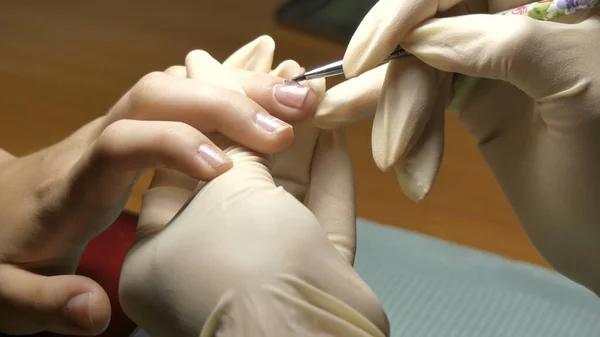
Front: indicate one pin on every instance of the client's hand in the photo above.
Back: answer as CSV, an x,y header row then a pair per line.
x,y
54,201
245,256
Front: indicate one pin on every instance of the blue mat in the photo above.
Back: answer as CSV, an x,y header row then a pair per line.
x,y
432,288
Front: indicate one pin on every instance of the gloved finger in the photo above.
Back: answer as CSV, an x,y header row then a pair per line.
x,y
509,48
331,191
256,56
169,191
319,86
66,304
383,28
205,106
350,100
418,172
405,105
388,22
201,66
291,168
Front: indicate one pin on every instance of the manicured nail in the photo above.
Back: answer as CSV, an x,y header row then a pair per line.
x,y
270,124
212,156
77,311
291,94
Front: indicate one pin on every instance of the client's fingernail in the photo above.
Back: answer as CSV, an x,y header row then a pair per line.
x,y
270,124
291,94
77,311
212,156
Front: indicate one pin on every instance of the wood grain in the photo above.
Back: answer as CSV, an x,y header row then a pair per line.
x,y
65,62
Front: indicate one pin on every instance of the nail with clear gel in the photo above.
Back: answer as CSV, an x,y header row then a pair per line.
x,y
292,95
77,311
212,156
270,124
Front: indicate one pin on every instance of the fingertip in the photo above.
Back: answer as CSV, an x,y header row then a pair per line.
x,y
293,101
100,312
276,140
212,162
356,61
255,56
290,102
196,55
84,304
287,68
319,85
266,40
286,138
383,160
310,104
412,188
90,311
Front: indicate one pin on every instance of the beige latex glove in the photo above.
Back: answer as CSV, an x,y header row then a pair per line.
x,y
407,96
536,120
52,202
245,257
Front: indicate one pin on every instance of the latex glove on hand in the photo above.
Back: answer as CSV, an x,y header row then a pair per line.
x,y
245,256
407,96
55,200
536,118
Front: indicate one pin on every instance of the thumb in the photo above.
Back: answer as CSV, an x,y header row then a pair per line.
x,y
331,192
517,49
66,304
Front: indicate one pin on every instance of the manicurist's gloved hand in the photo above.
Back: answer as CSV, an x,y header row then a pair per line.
x,y
54,201
244,256
536,118
407,95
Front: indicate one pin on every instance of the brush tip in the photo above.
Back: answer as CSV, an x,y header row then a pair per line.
x,y
296,79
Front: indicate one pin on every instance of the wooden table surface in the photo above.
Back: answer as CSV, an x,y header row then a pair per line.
x,y
62,63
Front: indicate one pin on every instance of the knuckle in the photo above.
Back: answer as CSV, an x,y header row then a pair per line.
x,y
516,37
177,135
173,133
509,47
108,143
144,90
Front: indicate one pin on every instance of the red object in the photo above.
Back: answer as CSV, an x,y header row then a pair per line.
x,y
102,261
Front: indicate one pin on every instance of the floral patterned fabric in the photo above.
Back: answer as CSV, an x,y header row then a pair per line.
x,y
550,9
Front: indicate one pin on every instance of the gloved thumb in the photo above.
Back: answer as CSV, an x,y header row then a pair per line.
x,y
65,304
517,49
